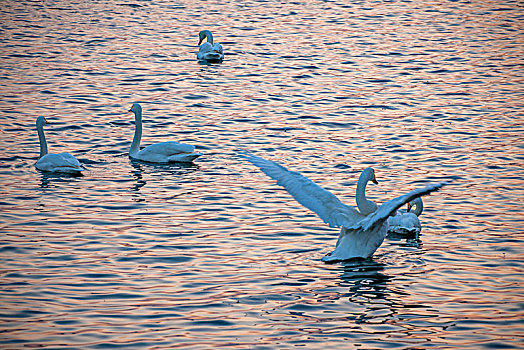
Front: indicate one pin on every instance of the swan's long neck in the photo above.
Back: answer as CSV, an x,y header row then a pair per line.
x,y
364,205
43,142
209,37
135,145
417,207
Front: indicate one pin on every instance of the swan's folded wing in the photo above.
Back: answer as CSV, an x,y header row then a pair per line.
x,y
168,148
70,159
325,204
205,47
64,162
380,215
218,48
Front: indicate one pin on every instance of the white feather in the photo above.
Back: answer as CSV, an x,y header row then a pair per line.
x,y
325,204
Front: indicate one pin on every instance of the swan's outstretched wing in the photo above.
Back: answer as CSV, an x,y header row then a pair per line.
x,y
325,204
380,215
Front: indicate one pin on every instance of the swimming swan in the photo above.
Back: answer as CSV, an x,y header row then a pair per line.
x,y
208,51
55,162
407,222
163,152
361,232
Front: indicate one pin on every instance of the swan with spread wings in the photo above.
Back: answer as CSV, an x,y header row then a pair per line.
x,y
362,231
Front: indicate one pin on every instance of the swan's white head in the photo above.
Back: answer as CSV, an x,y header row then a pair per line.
x,y
136,108
203,34
41,121
369,175
417,204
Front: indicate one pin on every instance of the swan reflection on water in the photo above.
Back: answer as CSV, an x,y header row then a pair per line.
x,y
368,287
168,169
364,276
48,178
411,239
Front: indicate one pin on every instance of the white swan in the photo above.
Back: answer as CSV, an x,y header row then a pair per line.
x,y
163,152
407,222
361,233
55,162
209,51
364,205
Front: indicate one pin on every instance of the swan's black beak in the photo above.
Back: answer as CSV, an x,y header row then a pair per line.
x,y
200,40
409,207
374,180
130,109
45,120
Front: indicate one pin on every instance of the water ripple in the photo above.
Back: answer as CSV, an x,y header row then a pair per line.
x,y
138,255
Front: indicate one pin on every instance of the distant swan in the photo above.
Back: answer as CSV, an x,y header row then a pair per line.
x,y
361,232
407,222
163,152
55,162
208,51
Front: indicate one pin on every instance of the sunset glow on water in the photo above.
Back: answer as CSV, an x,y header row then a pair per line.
x,y
215,254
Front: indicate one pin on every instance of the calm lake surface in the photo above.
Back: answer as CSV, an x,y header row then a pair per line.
x,y
215,254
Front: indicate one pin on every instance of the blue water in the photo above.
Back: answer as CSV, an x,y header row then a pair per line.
x,y
215,254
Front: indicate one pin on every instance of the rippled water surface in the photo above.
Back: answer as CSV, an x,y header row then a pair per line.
x,y
215,254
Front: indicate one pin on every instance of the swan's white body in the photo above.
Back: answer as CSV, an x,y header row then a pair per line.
x,y
163,152
407,222
361,232
209,51
54,162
